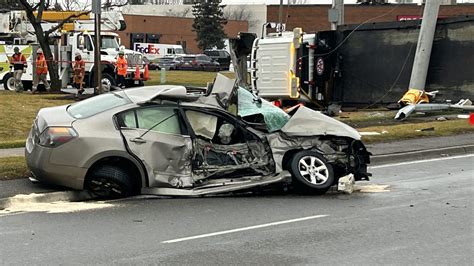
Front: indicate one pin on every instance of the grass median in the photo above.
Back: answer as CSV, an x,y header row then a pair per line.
x,y
13,168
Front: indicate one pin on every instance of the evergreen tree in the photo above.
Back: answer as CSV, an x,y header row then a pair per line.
x,y
209,24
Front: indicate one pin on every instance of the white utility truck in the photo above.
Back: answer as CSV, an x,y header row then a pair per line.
x,y
77,36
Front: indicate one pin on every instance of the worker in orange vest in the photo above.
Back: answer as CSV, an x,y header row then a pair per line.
x,y
41,71
79,68
121,68
18,63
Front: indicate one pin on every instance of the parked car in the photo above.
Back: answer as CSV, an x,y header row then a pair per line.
x,y
170,62
220,56
151,65
200,62
166,140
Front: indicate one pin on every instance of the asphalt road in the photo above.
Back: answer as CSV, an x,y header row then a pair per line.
x,y
425,216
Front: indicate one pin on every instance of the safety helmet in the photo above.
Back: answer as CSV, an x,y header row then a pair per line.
x,y
76,54
39,51
16,49
121,52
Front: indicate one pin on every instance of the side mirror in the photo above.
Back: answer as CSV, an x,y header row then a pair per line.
x,y
81,42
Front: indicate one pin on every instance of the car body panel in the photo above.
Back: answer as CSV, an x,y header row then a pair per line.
x,y
222,187
307,122
167,157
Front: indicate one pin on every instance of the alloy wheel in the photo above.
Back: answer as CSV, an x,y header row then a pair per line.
x,y
313,170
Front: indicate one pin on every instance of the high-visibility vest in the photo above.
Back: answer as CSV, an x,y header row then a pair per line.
x,y
18,61
41,65
79,67
121,66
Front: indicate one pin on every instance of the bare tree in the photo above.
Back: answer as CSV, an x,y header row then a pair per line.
x,y
241,12
34,12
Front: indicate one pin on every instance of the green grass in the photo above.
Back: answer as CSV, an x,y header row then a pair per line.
x,y
17,113
191,78
411,130
13,168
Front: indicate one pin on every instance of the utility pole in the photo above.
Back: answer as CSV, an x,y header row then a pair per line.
x,y
425,43
336,14
97,9
416,89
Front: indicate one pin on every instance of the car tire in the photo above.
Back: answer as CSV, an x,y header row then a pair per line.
x,y
109,181
8,82
311,172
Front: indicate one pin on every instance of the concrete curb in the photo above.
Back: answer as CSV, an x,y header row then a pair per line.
x,y
421,154
47,197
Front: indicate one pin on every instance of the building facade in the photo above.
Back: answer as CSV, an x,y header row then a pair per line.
x,y
169,30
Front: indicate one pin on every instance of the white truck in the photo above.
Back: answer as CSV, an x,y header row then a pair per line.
x,y
154,51
283,66
16,31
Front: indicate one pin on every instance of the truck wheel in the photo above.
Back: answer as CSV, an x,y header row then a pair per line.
x,y
107,82
8,82
312,172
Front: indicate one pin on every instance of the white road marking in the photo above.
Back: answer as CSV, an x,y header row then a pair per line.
x,y
423,161
244,229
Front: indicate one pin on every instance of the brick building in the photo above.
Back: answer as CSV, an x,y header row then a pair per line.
x,y
314,18
169,30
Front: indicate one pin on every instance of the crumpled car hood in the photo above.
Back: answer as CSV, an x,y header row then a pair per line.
x,y
307,122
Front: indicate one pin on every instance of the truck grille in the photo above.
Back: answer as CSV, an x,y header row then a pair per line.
x,y
134,60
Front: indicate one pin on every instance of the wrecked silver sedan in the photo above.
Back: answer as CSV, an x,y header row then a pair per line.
x,y
166,140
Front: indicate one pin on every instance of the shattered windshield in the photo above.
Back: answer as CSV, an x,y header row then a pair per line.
x,y
274,117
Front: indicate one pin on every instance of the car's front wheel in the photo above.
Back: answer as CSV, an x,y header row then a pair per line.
x,y
109,181
312,172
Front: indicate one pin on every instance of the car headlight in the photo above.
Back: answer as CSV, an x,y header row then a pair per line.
x,y
56,136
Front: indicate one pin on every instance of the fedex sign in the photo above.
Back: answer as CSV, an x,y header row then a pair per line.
x,y
147,48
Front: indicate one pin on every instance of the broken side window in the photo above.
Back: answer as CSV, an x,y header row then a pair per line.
x,y
159,119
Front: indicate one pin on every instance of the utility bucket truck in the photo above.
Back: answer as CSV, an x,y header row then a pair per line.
x,y
75,37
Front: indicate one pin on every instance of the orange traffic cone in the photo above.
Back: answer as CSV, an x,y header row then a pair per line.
x,y
146,75
137,73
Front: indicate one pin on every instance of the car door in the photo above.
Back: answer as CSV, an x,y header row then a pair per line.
x,y
157,136
223,146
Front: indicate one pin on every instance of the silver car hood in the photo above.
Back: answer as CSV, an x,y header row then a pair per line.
x,y
307,122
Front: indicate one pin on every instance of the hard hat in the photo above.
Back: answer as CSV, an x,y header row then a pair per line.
x,y
77,54
16,49
39,51
121,52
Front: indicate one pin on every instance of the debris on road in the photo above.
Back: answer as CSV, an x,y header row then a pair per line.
x,y
371,188
346,184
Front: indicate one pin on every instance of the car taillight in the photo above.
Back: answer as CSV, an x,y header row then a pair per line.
x,y
56,136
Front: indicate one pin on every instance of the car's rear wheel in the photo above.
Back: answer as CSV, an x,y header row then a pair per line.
x,y
109,181
312,172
